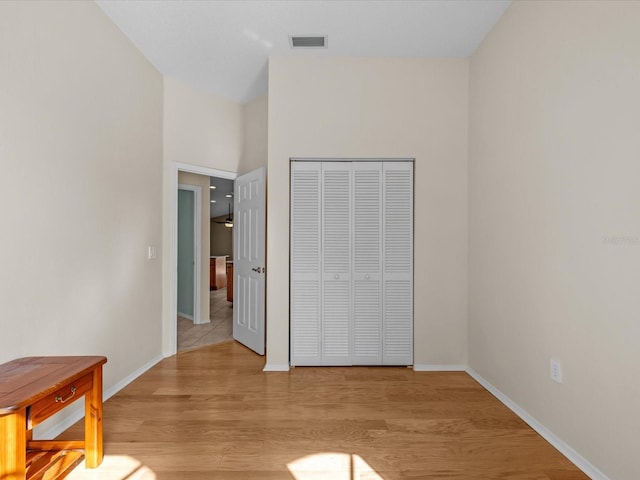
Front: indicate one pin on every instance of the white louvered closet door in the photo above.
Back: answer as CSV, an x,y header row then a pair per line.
x,y
397,329
351,263
367,263
305,265
336,263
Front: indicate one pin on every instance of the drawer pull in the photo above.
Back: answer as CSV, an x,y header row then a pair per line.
x,y
59,399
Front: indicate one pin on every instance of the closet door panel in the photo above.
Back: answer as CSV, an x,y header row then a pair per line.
x,y
305,268
367,263
336,263
398,323
336,306
397,347
367,323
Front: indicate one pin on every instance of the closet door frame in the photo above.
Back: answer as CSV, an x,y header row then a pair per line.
x,y
352,358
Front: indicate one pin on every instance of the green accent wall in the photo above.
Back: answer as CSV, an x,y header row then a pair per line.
x,y
186,253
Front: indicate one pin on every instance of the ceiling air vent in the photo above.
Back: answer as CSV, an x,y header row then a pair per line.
x,y
308,41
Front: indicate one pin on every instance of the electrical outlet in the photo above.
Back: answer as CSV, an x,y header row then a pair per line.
x,y
151,252
556,370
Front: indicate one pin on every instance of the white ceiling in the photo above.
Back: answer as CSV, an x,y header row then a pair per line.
x,y
223,46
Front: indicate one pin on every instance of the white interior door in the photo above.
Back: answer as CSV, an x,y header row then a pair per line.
x,y
249,260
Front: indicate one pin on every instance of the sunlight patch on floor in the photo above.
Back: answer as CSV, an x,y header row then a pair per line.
x,y
114,467
336,466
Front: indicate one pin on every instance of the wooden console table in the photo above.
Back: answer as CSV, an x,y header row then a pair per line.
x,y
31,390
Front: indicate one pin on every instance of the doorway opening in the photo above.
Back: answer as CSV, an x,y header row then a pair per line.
x,y
213,243
170,317
248,318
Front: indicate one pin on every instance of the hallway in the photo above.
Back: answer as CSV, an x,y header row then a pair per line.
x,y
192,336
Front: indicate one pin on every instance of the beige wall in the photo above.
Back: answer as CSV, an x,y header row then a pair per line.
x,y
221,238
554,221
254,153
200,129
201,181
378,107
80,189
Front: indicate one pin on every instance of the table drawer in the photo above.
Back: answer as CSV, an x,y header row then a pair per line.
x,y
56,401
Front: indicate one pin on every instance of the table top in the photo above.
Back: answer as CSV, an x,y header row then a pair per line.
x,y
26,380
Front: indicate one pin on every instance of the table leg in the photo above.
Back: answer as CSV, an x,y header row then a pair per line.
x,y
13,448
93,422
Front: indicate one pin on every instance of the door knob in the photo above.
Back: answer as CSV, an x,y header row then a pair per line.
x,y
258,269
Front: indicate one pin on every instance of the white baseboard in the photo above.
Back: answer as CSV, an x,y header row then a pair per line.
x,y
76,412
184,315
274,367
421,367
110,392
577,459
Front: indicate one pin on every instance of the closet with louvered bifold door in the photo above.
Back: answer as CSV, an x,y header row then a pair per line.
x,y
351,292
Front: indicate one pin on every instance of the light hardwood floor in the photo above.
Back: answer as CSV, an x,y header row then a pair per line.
x,y
212,413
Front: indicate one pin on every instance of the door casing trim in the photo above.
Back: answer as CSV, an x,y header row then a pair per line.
x,y
169,320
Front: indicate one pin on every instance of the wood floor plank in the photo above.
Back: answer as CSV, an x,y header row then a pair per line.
x,y
212,413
